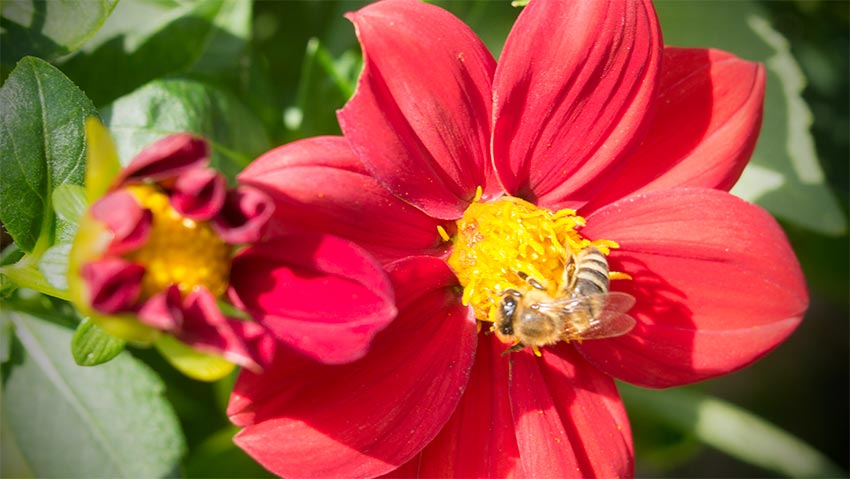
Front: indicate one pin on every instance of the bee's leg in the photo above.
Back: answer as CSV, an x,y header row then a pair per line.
x,y
516,347
531,281
535,284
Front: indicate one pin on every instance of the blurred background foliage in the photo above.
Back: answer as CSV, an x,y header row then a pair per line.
x,y
252,75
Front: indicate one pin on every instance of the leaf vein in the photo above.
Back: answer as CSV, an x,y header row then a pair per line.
x,y
37,351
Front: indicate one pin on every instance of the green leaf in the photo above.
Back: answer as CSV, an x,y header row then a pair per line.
x,y
10,255
804,198
49,29
5,337
13,464
324,87
261,93
154,39
175,105
229,33
42,146
785,175
92,345
732,430
53,265
69,202
71,421
294,23
218,456
18,270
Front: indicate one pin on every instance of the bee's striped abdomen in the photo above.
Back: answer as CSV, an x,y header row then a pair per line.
x,y
590,277
591,273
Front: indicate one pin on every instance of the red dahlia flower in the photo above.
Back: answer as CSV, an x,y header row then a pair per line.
x,y
457,173
169,240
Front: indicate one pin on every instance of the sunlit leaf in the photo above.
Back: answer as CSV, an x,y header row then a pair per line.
x,y
54,265
25,273
176,105
142,41
69,202
72,421
41,147
805,200
231,29
49,29
785,175
91,345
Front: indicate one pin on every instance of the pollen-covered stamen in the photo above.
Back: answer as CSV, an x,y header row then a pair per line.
x,y
502,243
179,250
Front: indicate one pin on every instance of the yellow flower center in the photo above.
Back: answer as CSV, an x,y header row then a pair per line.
x,y
501,243
179,250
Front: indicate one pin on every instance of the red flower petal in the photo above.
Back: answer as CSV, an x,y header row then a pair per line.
x,y
198,322
572,93
318,185
479,440
244,215
163,310
199,194
704,131
569,419
420,116
165,159
716,282
128,222
259,343
206,329
114,284
317,293
367,417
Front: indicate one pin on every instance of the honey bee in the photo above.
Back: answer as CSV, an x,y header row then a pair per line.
x,y
583,308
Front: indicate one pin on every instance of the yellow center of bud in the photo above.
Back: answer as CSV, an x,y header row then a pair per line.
x,y
179,250
500,241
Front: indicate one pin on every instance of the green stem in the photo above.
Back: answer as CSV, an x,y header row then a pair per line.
x,y
25,274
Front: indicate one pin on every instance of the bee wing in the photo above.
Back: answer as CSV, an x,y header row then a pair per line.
x,y
612,301
617,301
610,321
608,324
